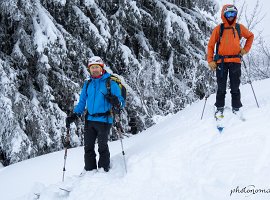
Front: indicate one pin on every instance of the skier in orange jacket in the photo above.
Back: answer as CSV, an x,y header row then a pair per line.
x,y
227,59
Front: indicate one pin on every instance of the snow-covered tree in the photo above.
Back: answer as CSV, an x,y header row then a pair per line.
x,y
156,46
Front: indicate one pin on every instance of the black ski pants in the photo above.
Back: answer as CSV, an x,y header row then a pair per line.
x,y
234,71
96,130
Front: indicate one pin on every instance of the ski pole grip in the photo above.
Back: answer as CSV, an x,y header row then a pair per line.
x,y
67,140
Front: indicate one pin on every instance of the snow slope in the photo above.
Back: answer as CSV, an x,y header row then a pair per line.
x,y
180,158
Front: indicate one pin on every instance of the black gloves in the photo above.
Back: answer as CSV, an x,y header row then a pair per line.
x,y
113,100
71,119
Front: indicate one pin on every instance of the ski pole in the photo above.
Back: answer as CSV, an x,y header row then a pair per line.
x,y
123,152
120,130
249,81
65,155
206,97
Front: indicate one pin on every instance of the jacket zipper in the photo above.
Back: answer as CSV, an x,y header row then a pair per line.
x,y
94,96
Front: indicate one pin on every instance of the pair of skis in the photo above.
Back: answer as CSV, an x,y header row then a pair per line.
x,y
221,119
67,191
220,122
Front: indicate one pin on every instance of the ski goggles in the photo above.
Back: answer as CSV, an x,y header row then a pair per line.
x,y
230,14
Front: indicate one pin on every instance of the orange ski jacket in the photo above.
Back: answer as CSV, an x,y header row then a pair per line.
x,y
230,41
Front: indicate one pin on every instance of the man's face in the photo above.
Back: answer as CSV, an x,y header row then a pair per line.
x,y
95,70
230,15
230,19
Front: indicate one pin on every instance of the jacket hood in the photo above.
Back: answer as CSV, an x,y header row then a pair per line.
x,y
224,20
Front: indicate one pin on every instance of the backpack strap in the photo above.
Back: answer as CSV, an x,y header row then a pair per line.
x,y
221,29
108,85
237,27
87,84
106,114
222,57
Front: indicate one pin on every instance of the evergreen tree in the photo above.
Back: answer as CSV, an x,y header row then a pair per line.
x,y
157,46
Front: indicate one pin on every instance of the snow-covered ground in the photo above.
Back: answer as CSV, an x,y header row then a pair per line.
x,y
180,158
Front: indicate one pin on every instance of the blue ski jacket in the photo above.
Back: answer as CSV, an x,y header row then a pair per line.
x,y
94,99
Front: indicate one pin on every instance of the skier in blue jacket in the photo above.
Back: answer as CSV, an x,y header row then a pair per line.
x,y
99,103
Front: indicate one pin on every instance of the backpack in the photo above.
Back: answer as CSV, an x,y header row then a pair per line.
x,y
123,89
221,30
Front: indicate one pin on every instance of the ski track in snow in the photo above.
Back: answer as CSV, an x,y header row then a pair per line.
x,y
182,157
